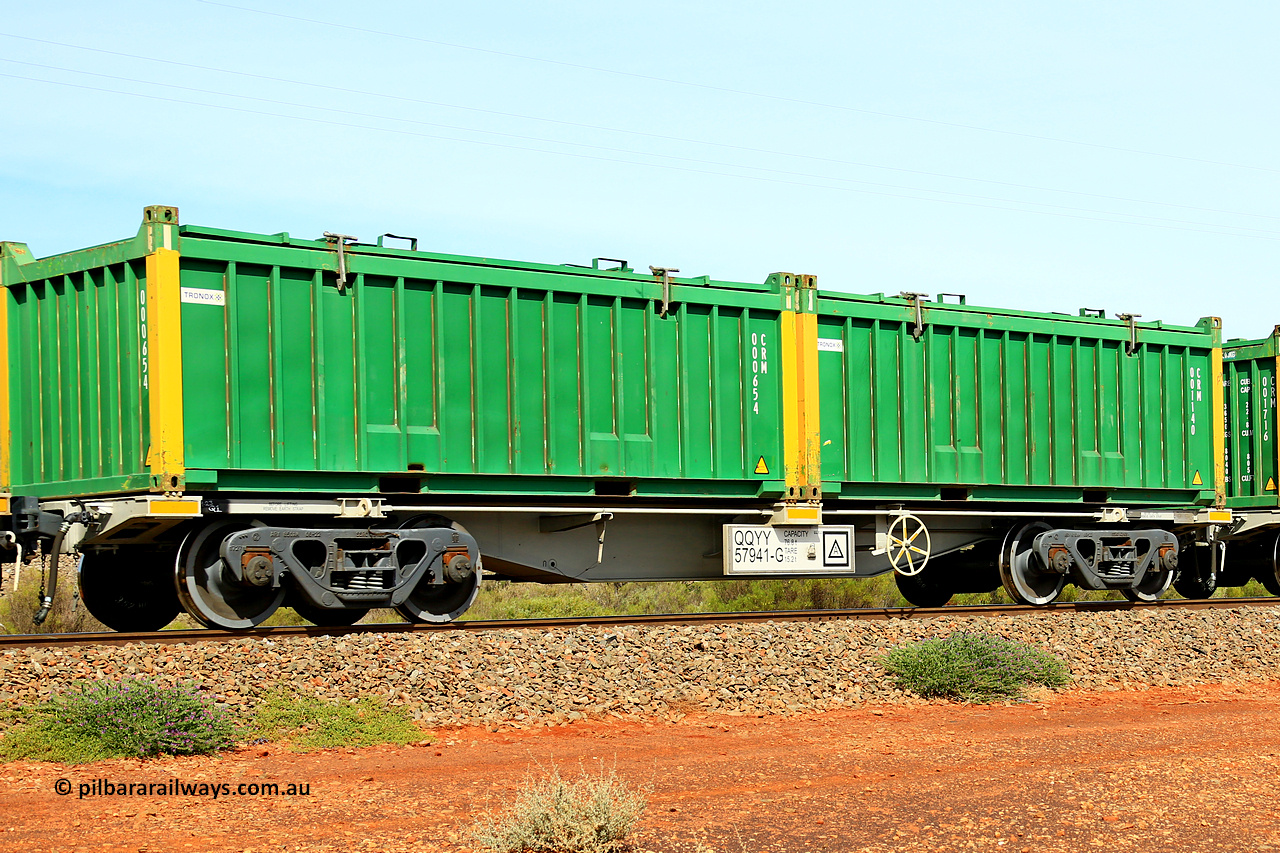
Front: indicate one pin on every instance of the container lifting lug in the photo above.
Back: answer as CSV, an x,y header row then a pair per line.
x,y
340,242
1131,348
916,299
665,274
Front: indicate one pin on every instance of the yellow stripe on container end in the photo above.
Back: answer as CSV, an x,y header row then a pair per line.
x,y
164,369
1217,396
791,440
807,364
800,433
6,438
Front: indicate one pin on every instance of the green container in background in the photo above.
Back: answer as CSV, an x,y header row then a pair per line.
x,y
1249,383
925,400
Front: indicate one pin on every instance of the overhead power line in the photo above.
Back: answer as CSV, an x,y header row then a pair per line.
x,y
610,149
1130,219
745,92
607,129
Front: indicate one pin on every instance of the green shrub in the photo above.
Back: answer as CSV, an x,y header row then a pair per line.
x,y
118,720
973,668
311,723
590,814
284,616
1252,589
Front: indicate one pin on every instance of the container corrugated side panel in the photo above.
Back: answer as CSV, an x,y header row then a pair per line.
x,y
1249,386
467,370
1011,406
78,406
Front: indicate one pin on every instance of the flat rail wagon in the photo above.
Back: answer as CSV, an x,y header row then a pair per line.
x,y
225,422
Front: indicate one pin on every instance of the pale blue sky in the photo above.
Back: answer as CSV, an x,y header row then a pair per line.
x,y
1044,156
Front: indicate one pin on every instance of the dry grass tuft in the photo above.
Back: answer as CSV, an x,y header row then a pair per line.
x,y
589,814
18,607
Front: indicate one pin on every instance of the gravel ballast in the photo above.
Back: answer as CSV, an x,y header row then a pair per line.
x,y
536,677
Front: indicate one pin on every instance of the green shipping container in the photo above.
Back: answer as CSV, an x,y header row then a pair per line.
x,y
1249,383
283,380
926,401
189,358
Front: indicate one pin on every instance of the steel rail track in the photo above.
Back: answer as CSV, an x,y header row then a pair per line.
x,y
205,635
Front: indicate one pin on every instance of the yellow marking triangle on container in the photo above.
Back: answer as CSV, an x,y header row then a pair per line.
x,y
1271,485
762,468
1196,481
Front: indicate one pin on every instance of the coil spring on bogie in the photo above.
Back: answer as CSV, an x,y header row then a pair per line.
x,y
360,581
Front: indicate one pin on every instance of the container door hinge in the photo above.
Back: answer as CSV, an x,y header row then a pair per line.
x,y
340,242
1131,348
664,274
917,300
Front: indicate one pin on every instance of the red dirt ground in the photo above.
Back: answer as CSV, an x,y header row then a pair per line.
x,y
1163,769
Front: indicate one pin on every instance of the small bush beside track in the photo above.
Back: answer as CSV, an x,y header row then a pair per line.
x,y
589,814
138,719
973,667
127,719
310,723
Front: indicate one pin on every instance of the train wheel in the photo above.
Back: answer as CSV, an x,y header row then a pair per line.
x,y
1196,578
447,601
208,590
129,591
1024,578
325,617
440,602
1269,574
923,590
1154,585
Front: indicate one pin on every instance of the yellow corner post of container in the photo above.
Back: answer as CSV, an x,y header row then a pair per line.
x,y
1218,396
810,438
6,437
800,423
790,404
1275,448
164,369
